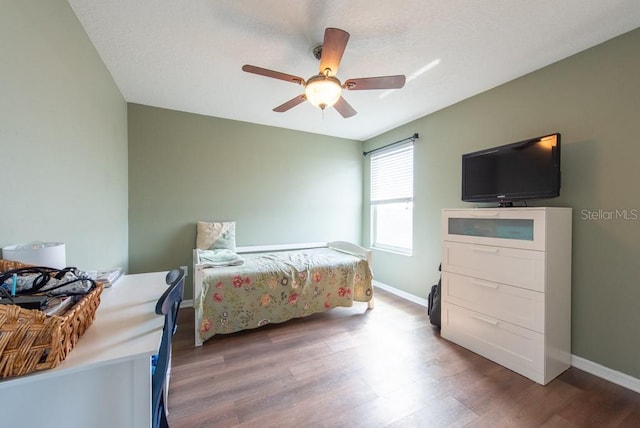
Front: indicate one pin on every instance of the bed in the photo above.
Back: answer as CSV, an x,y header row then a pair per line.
x,y
277,283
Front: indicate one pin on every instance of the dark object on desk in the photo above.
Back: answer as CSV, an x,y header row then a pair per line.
x,y
168,305
27,302
28,280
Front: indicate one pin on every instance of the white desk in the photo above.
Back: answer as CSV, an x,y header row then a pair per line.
x,y
105,381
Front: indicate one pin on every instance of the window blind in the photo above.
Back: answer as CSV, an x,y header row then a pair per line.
x,y
392,175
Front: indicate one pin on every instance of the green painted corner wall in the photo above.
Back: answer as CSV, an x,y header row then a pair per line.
x,y
280,186
593,100
63,135
73,173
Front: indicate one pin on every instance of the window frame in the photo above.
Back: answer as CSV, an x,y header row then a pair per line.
x,y
398,195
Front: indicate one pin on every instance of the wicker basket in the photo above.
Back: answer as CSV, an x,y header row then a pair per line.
x,y
32,341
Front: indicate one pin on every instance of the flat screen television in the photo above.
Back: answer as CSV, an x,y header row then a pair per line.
x,y
516,172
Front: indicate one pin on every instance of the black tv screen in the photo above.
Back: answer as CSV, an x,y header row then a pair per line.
x,y
519,171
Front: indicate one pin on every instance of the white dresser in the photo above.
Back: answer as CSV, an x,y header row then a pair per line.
x,y
506,286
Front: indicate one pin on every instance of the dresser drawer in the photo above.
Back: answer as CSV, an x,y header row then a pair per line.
x,y
514,347
503,227
515,305
520,268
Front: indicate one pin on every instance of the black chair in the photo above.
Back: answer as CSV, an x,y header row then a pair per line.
x,y
168,305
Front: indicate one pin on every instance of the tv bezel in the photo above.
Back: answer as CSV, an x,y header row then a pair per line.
x,y
506,199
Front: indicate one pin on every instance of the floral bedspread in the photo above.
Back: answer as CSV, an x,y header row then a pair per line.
x,y
276,287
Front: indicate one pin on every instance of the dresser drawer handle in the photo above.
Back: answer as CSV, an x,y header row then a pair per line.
x,y
485,284
486,250
485,214
485,319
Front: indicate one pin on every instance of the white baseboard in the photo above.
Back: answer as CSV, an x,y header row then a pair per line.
x,y
407,296
606,373
595,369
186,304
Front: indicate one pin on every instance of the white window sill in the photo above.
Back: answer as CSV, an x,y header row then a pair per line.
x,y
393,251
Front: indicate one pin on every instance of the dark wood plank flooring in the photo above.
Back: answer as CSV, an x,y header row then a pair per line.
x,y
388,367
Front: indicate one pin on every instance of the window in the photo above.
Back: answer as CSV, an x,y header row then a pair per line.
x,y
392,199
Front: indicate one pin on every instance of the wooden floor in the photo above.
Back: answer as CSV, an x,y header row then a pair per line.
x,y
387,367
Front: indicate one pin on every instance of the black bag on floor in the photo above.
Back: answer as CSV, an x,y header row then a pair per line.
x,y
433,307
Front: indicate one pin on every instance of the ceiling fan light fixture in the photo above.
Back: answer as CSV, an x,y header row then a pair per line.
x,y
323,91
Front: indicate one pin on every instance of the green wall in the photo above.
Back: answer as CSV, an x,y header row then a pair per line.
x,y
67,174
63,137
593,99
280,186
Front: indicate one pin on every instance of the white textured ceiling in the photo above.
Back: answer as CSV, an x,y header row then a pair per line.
x,y
187,54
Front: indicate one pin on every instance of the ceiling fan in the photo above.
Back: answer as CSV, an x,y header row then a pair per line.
x,y
324,89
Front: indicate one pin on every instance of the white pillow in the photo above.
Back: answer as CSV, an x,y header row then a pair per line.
x,y
216,235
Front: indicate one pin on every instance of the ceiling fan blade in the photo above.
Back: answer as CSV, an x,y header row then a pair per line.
x,y
274,74
335,42
344,108
290,104
385,82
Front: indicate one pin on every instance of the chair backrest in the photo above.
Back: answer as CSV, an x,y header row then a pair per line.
x,y
168,305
